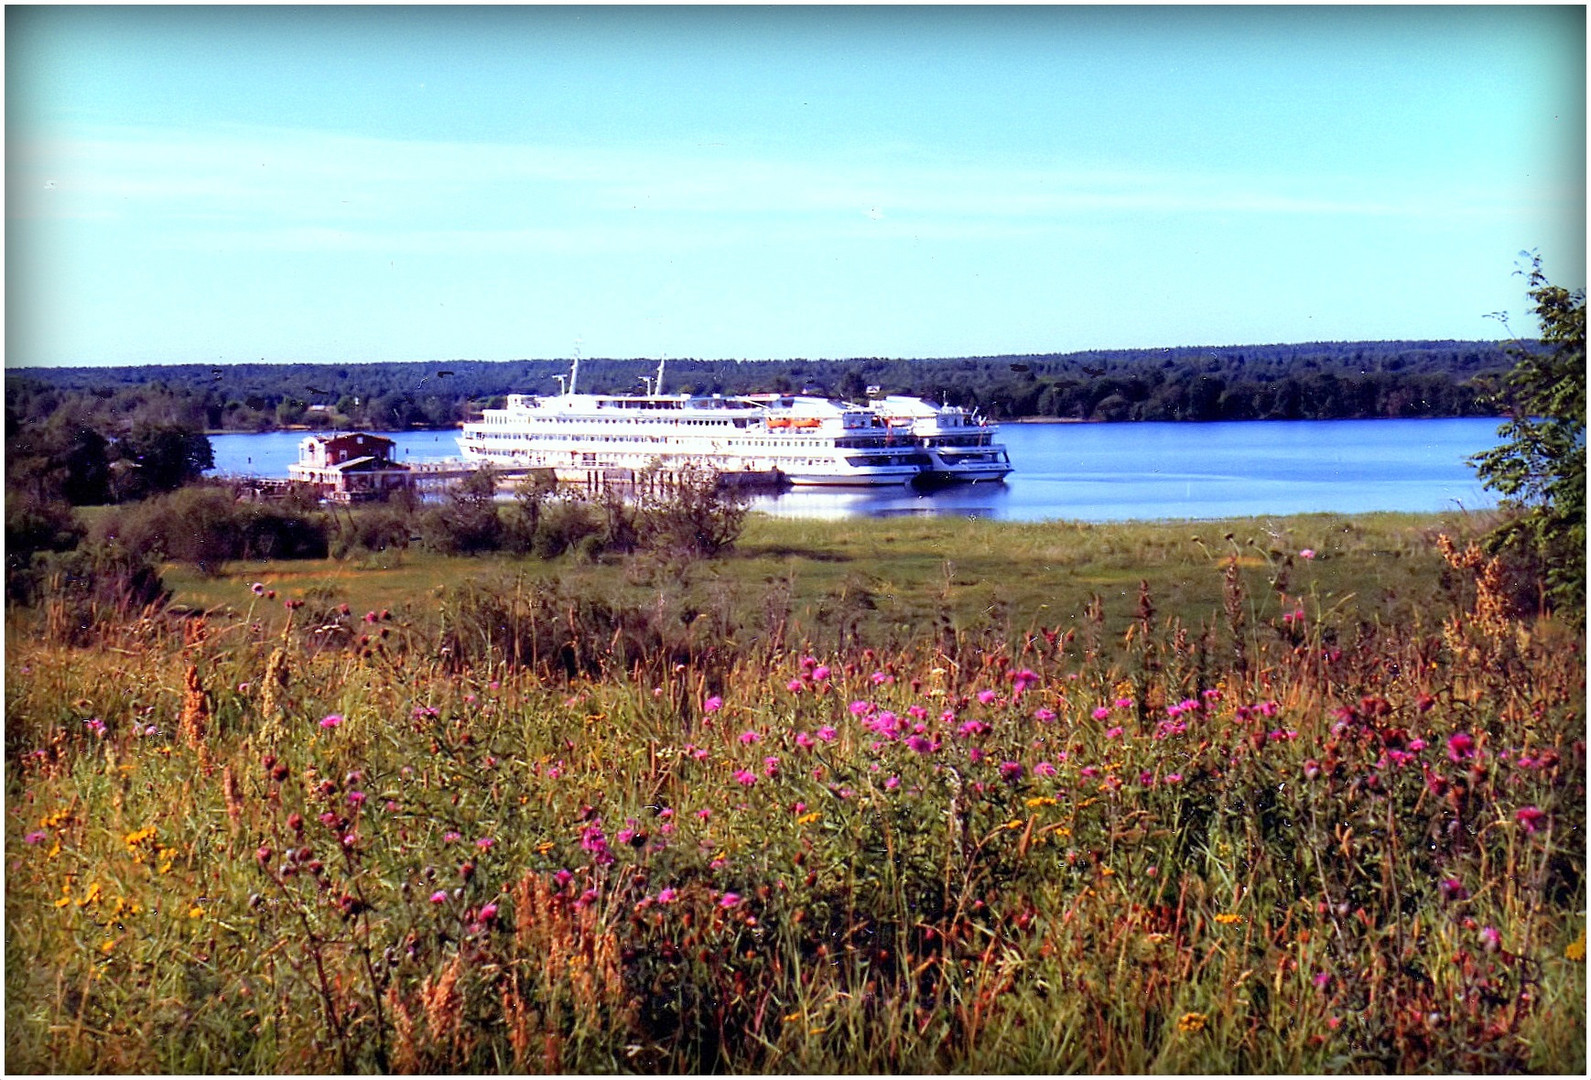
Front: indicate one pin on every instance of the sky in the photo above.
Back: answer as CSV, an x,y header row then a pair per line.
x,y
235,184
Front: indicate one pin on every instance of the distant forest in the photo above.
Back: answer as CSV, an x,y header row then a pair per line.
x,y
1330,380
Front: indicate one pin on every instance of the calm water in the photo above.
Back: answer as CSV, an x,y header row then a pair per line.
x,y
1118,472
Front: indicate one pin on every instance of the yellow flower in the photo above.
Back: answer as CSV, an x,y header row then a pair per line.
x,y
1226,919
1192,1022
1576,948
1041,800
196,912
807,819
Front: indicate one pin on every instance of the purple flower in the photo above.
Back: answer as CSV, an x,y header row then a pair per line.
x,y
861,708
1491,939
794,686
804,741
827,734
1453,889
562,877
770,766
730,899
745,777
713,704
488,912
1101,713
882,678
439,897
666,895
331,721
35,837
485,843
1322,980
749,737
892,783
356,797
1021,680
1043,715
1460,747
450,837
820,673
1044,768
1113,733
1010,771
920,744
1307,553
1124,703
986,696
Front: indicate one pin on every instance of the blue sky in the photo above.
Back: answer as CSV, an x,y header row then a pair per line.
x,y
364,184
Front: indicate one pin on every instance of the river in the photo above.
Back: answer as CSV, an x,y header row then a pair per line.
x,y
1116,472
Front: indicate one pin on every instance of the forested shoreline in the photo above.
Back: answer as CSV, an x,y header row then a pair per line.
x,y
1317,381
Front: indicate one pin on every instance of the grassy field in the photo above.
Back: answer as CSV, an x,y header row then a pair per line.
x,y
902,796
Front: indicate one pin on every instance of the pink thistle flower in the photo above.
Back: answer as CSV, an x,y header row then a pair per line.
x,y
258,588
749,737
882,678
1491,939
1044,768
770,766
986,696
804,741
827,734
667,895
356,797
451,837
331,721
485,843
1113,733
35,837
704,813
1011,770
892,783
794,686
745,777
861,708
328,819
920,744
1125,703
974,755
1460,747
1528,816
488,912
1322,980
439,897
1101,713
562,877
1022,680
820,673
713,704
1453,889
730,899
1307,553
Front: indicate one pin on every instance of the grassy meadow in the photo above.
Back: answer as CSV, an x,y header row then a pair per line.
x,y
1273,795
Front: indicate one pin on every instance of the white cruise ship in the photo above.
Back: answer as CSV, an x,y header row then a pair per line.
x,y
960,447
809,440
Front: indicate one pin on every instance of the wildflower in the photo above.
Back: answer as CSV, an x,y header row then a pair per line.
x,y
745,777
562,877
1307,553
1575,950
350,840
827,733
770,766
439,897
730,899
666,895
1113,733
1174,778
451,837
713,704
804,741
794,686
749,737
96,725
882,678
892,783
920,744
488,912
1101,713
1124,703
986,696
1192,1022
861,708
1044,768
356,797
1021,680
330,721
974,755
1043,715
35,837
1491,940
258,588
1311,769
973,728
1010,771
820,673
1322,980
704,813
1226,918
1528,816
1460,747
1146,778
1453,889
485,843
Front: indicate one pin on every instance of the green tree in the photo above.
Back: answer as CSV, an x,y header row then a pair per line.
x,y
1539,468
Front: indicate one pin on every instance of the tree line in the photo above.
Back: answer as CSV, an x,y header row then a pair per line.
x,y
1327,380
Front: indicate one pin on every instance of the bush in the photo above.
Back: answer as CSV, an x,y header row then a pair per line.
x,y
208,526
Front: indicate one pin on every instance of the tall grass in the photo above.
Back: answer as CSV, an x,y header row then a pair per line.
x,y
545,830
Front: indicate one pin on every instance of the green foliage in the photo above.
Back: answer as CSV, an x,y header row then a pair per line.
x,y
34,525
467,522
208,526
156,458
1539,468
